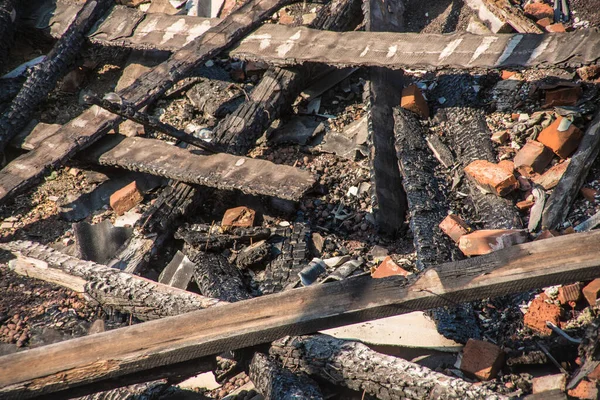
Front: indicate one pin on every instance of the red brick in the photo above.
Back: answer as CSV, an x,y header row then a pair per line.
x,y
525,204
595,374
500,137
566,96
584,390
539,312
125,199
508,74
556,28
239,216
388,268
488,240
591,291
482,360
539,11
454,226
562,142
550,178
544,22
589,72
589,194
491,177
549,382
285,18
569,293
413,100
533,157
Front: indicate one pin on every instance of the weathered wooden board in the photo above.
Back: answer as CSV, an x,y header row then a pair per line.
x,y
501,13
174,340
221,170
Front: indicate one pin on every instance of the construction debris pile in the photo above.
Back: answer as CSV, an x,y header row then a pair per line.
x,y
262,199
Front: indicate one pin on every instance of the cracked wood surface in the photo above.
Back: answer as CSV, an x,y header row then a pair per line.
x,y
93,123
221,170
133,350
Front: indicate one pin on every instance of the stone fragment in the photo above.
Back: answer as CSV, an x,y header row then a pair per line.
x,y
500,137
565,96
591,291
539,312
556,28
550,178
549,382
562,137
126,198
491,177
569,293
584,390
454,226
239,216
539,11
533,157
481,359
308,19
413,100
589,194
388,268
489,240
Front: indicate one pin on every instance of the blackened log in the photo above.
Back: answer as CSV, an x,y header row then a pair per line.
x,y
217,278
282,272
563,195
140,297
254,255
275,382
7,29
354,365
42,77
208,237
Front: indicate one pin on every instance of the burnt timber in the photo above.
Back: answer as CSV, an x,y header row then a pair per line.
x,y
114,354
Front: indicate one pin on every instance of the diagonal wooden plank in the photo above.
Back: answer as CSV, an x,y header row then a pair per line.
x,y
93,123
179,339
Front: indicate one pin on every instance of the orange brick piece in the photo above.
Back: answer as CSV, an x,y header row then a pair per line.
x,y
589,194
239,216
388,268
584,390
569,293
508,74
591,291
556,28
491,178
481,359
550,178
454,226
126,198
489,240
561,136
413,100
539,312
533,157
566,96
544,22
539,11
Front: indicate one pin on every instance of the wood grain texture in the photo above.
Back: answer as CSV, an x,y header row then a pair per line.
x,y
174,340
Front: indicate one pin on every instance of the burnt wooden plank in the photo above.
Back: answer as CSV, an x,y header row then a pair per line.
x,y
92,124
146,347
563,195
382,92
221,170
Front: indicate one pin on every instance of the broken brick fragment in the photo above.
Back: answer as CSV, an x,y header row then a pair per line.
x,y
556,28
589,194
550,178
591,291
562,137
584,390
569,293
285,18
539,312
525,204
454,227
413,100
486,241
589,72
388,268
491,177
565,96
544,22
126,198
547,383
508,74
481,359
539,11
533,157
239,216
500,137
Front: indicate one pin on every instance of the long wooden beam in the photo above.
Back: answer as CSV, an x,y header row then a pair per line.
x,y
173,340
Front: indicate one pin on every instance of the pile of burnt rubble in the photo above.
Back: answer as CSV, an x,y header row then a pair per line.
x,y
219,196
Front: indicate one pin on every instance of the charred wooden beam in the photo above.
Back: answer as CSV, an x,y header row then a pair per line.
x,y
382,92
209,238
275,382
84,361
42,77
217,278
563,195
143,298
356,366
222,171
93,123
